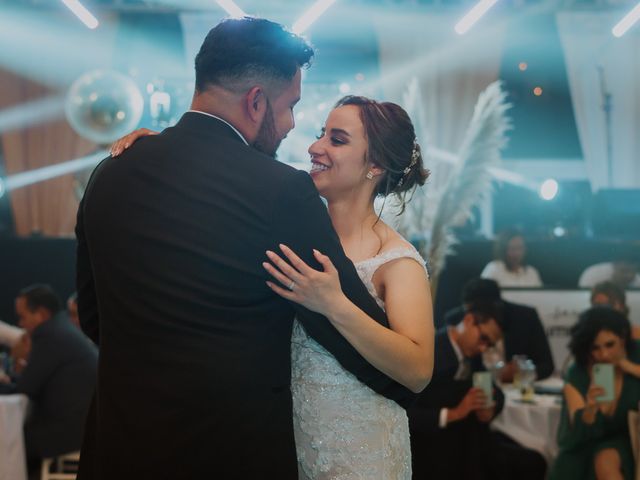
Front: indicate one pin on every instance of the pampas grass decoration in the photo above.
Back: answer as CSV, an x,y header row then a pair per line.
x,y
462,180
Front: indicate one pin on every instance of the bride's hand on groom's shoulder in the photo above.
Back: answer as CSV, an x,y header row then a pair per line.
x,y
298,282
125,142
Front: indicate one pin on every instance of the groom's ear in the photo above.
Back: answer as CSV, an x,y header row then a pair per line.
x,y
256,104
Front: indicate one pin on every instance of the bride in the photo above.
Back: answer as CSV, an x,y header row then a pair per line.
x,y
343,429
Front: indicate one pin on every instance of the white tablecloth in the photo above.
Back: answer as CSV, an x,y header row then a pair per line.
x,y
533,425
13,465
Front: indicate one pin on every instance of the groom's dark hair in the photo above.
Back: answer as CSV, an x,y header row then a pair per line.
x,y
238,53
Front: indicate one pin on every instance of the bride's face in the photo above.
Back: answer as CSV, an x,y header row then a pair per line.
x,y
338,157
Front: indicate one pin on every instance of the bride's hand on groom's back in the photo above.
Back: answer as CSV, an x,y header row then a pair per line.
x,y
319,291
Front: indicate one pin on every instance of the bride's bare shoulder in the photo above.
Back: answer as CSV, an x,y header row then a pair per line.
x,y
392,240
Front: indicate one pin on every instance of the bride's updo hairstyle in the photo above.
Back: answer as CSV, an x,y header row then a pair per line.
x,y
391,145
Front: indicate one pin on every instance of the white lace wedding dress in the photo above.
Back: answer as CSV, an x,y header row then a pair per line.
x,y
343,429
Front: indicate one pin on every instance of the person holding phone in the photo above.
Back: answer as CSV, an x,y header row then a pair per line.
x,y
600,388
451,438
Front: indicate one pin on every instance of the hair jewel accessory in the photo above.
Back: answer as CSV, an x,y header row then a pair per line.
x,y
414,159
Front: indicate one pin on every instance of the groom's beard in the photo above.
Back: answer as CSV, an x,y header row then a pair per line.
x,y
267,140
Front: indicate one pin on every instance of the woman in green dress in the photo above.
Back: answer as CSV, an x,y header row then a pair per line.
x,y
593,436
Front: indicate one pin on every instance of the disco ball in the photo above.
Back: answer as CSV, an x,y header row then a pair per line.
x,y
103,105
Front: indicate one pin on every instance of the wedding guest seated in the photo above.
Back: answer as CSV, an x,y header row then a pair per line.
x,y
59,377
611,295
522,331
509,268
623,272
449,421
593,435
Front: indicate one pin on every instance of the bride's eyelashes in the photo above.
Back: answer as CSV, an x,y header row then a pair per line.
x,y
335,140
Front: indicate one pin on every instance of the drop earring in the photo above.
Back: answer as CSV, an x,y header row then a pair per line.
x,y
370,175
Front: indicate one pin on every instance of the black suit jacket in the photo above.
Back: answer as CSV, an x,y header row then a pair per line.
x,y
523,335
194,365
59,380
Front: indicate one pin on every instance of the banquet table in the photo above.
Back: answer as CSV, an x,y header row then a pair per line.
x,y
13,465
532,424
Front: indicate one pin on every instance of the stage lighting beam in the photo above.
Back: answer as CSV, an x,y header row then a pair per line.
x,y
231,8
473,16
627,22
311,15
31,113
82,13
30,177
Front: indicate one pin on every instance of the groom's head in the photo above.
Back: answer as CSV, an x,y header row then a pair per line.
x,y
248,72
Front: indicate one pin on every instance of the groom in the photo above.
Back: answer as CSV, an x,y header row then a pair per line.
x,y
194,368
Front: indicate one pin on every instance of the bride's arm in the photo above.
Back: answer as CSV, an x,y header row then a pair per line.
x,y
404,353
